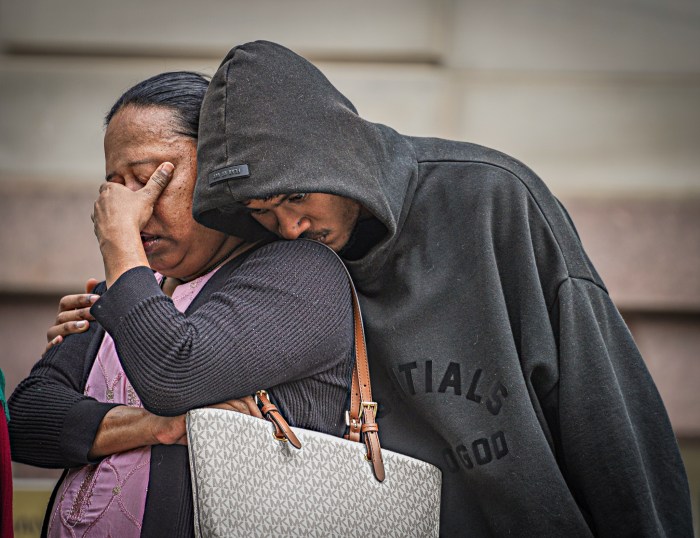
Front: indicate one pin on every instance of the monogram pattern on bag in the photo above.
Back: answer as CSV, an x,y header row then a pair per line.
x,y
245,483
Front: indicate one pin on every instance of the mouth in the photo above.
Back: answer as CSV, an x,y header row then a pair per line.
x,y
149,241
321,236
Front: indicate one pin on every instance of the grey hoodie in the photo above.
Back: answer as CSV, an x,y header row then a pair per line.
x,y
495,350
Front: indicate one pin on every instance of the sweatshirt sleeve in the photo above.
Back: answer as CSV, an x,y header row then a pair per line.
x,y
616,446
284,314
53,423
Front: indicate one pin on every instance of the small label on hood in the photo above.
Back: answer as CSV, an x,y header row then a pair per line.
x,y
230,172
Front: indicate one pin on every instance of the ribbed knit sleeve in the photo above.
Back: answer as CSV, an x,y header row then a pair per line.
x,y
284,315
49,403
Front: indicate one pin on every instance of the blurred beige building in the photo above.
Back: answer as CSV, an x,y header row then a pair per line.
x,y
601,98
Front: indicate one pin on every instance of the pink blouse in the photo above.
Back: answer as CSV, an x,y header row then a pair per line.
x,y
108,499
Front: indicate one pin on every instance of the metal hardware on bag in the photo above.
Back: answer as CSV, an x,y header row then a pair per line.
x,y
368,405
257,396
351,423
354,423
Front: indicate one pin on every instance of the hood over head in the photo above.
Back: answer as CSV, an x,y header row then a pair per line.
x,y
271,123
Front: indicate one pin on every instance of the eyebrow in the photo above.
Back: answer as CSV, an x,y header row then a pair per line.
x,y
284,198
131,164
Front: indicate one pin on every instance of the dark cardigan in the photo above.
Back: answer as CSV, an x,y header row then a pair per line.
x,y
279,317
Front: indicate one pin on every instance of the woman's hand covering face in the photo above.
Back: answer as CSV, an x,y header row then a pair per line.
x,y
138,142
120,214
119,211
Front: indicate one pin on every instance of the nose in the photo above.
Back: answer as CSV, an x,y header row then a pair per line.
x,y
132,185
292,228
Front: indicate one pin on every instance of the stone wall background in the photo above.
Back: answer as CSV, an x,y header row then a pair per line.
x,y
602,99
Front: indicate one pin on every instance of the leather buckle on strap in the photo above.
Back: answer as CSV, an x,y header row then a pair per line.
x,y
368,406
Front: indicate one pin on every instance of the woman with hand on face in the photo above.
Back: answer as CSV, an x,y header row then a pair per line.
x,y
217,321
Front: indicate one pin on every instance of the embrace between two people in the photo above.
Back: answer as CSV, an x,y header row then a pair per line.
x,y
487,326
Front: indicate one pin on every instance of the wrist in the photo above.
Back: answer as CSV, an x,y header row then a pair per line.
x,y
121,255
122,428
167,430
153,428
118,242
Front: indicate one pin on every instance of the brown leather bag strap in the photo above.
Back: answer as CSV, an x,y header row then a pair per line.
x,y
370,432
357,396
353,422
283,432
362,412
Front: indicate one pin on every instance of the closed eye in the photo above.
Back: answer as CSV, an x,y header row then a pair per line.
x,y
255,211
114,178
296,198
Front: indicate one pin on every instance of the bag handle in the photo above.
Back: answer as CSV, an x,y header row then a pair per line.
x,y
361,418
363,410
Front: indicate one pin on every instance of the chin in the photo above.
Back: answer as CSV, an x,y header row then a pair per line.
x,y
340,243
158,265
336,247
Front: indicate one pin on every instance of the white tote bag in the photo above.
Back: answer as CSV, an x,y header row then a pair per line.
x,y
253,477
247,483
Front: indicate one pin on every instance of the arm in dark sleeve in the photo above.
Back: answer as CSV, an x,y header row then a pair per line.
x,y
53,423
284,314
618,450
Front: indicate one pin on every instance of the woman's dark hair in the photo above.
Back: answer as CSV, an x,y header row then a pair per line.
x,y
180,91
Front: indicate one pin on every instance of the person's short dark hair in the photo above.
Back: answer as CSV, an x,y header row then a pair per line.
x,y
180,91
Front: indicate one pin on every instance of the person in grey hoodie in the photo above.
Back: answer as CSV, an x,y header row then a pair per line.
x,y
495,350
